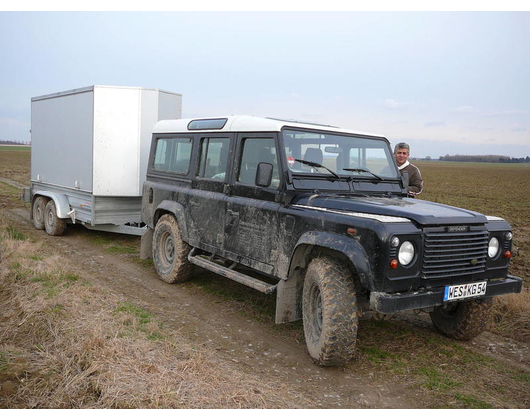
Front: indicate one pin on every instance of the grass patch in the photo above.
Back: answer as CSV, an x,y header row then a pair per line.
x,y
140,314
468,401
113,243
137,320
15,234
53,282
436,380
440,366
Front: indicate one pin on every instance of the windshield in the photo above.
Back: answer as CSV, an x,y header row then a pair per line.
x,y
340,154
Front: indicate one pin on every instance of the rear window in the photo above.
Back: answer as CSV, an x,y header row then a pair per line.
x,y
173,155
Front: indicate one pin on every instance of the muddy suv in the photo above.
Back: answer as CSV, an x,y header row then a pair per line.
x,y
319,215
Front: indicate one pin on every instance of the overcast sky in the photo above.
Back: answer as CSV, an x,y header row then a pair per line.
x,y
446,82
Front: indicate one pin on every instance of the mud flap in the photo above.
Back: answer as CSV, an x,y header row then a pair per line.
x,y
289,299
146,245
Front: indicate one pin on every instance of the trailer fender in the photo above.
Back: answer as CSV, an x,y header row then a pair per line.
x,y
64,211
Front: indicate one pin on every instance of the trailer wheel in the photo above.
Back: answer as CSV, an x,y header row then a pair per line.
x,y
462,320
38,210
329,309
53,225
170,252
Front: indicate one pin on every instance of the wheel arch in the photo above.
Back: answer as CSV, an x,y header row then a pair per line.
x,y
177,210
62,205
313,245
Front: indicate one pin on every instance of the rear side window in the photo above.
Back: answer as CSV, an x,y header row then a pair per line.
x,y
173,155
214,157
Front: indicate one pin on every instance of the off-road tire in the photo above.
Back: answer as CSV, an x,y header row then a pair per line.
x,y
38,211
53,225
170,252
462,320
329,307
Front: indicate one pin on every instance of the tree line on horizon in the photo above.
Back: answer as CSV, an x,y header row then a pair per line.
x,y
484,158
15,142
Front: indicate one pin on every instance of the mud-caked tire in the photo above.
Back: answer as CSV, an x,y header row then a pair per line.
x,y
52,223
329,307
170,252
462,320
38,211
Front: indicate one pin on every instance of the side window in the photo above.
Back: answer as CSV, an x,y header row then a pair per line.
x,y
214,157
256,150
173,155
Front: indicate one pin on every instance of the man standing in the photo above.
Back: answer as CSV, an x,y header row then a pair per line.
x,y
401,155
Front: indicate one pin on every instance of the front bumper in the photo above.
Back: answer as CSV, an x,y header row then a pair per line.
x,y
390,303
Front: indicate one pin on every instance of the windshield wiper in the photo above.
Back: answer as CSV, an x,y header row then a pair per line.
x,y
317,165
362,170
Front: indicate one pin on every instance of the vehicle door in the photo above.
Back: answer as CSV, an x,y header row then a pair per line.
x,y
208,192
251,221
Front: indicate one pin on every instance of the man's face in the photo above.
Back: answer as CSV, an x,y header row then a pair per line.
x,y
401,156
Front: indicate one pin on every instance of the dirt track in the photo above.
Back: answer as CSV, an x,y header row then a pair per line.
x,y
251,346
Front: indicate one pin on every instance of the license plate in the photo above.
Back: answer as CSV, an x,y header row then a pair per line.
x,y
463,291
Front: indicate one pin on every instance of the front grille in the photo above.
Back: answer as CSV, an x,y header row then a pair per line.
x,y
449,254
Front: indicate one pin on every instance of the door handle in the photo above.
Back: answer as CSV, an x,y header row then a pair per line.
x,y
232,216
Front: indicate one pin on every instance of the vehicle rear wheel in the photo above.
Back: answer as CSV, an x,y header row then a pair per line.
x,y
329,308
53,225
170,252
38,210
462,320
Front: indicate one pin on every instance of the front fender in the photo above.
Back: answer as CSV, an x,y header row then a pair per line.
x,y
349,247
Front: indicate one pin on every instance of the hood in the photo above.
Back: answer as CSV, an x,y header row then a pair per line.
x,y
420,211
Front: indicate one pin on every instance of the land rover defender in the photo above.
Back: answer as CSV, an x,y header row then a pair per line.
x,y
320,216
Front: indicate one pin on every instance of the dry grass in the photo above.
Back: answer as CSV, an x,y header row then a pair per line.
x,y
65,343
511,316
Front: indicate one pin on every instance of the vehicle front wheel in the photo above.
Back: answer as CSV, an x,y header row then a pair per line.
x,y
462,320
170,252
329,308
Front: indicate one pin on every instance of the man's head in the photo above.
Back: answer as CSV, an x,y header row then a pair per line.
x,y
401,153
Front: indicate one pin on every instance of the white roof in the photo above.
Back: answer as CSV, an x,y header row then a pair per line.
x,y
93,88
247,123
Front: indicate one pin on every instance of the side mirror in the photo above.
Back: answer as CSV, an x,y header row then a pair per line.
x,y
264,174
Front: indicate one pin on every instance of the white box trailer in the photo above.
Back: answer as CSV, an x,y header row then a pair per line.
x,y
89,152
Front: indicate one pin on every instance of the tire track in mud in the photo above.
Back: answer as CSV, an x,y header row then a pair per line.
x,y
250,346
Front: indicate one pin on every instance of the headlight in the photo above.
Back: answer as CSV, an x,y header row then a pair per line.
x,y
406,253
493,247
509,236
